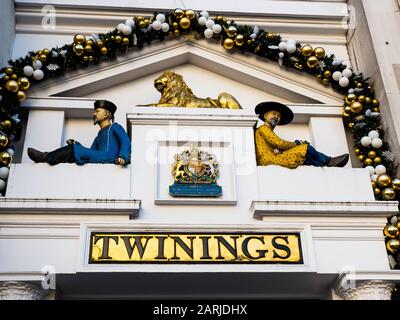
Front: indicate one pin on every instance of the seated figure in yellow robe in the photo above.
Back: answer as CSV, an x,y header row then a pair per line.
x,y
272,150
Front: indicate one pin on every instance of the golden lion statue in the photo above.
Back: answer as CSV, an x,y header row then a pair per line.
x,y
175,93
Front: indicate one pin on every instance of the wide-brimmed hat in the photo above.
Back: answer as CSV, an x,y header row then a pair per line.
x,y
105,104
286,114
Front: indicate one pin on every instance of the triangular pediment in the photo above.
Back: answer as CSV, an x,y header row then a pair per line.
x,y
265,76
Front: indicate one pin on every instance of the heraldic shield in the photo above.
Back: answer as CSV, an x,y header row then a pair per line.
x,y
195,174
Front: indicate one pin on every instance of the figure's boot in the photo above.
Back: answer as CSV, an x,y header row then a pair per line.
x,y
339,161
36,155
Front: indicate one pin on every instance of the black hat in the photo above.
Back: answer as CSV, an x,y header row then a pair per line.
x,y
105,105
286,114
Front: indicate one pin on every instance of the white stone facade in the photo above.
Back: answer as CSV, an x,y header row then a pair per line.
x,y
52,210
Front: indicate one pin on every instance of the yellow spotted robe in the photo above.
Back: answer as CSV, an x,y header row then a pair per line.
x,y
291,155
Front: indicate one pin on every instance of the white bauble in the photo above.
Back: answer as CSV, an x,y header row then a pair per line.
x,y
165,27
204,14
347,73
374,177
377,143
217,29
127,30
4,172
160,17
351,90
373,134
130,22
256,30
366,141
210,24
253,35
281,55
208,33
38,74
2,185
202,21
381,169
156,25
344,82
283,46
291,48
292,42
120,27
337,75
28,71
37,64
371,170
393,220
10,152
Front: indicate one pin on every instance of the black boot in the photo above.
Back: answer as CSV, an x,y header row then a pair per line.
x,y
36,155
339,161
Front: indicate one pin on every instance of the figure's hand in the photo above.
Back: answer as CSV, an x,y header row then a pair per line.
x,y
70,141
120,161
276,152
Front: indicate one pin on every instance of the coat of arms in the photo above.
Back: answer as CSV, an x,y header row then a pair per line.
x,y
195,174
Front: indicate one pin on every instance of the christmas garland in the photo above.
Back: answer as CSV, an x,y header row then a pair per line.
x,y
361,111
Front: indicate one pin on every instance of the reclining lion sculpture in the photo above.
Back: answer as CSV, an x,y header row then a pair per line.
x,y
175,93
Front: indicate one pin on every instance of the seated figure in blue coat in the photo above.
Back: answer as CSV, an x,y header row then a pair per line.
x,y
112,144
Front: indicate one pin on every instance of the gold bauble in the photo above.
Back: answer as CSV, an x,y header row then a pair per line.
x,y
356,107
46,51
271,35
306,50
359,85
6,124
388,194
175,25
347,109
319,77
86,58
351,125
232,31
147,22
368,100
90,58
125,41
368,162
377,191
327,74
79,49
350,98
357,151
89,42
12,85
298,66
228,43
43,57
142,24
21,96
103,51
179,13
372,154
184,23
14,77
79,39
3,140
396,184
361,157
239,40
9,71
190,14
177,32
361,99
373,184
118,39
312,62
345,115
319,52
393,245
375,110
100,43
384,180
5,158
378,160
88,48
5,78
375,103
24,83
391,231
326,81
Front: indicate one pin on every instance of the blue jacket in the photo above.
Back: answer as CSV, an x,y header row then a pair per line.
x,y
111,142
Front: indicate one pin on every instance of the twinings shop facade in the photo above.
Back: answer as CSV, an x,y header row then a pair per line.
x,y
198,152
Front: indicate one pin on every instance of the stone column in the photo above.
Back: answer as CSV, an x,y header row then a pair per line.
x,y
367,290
18,290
